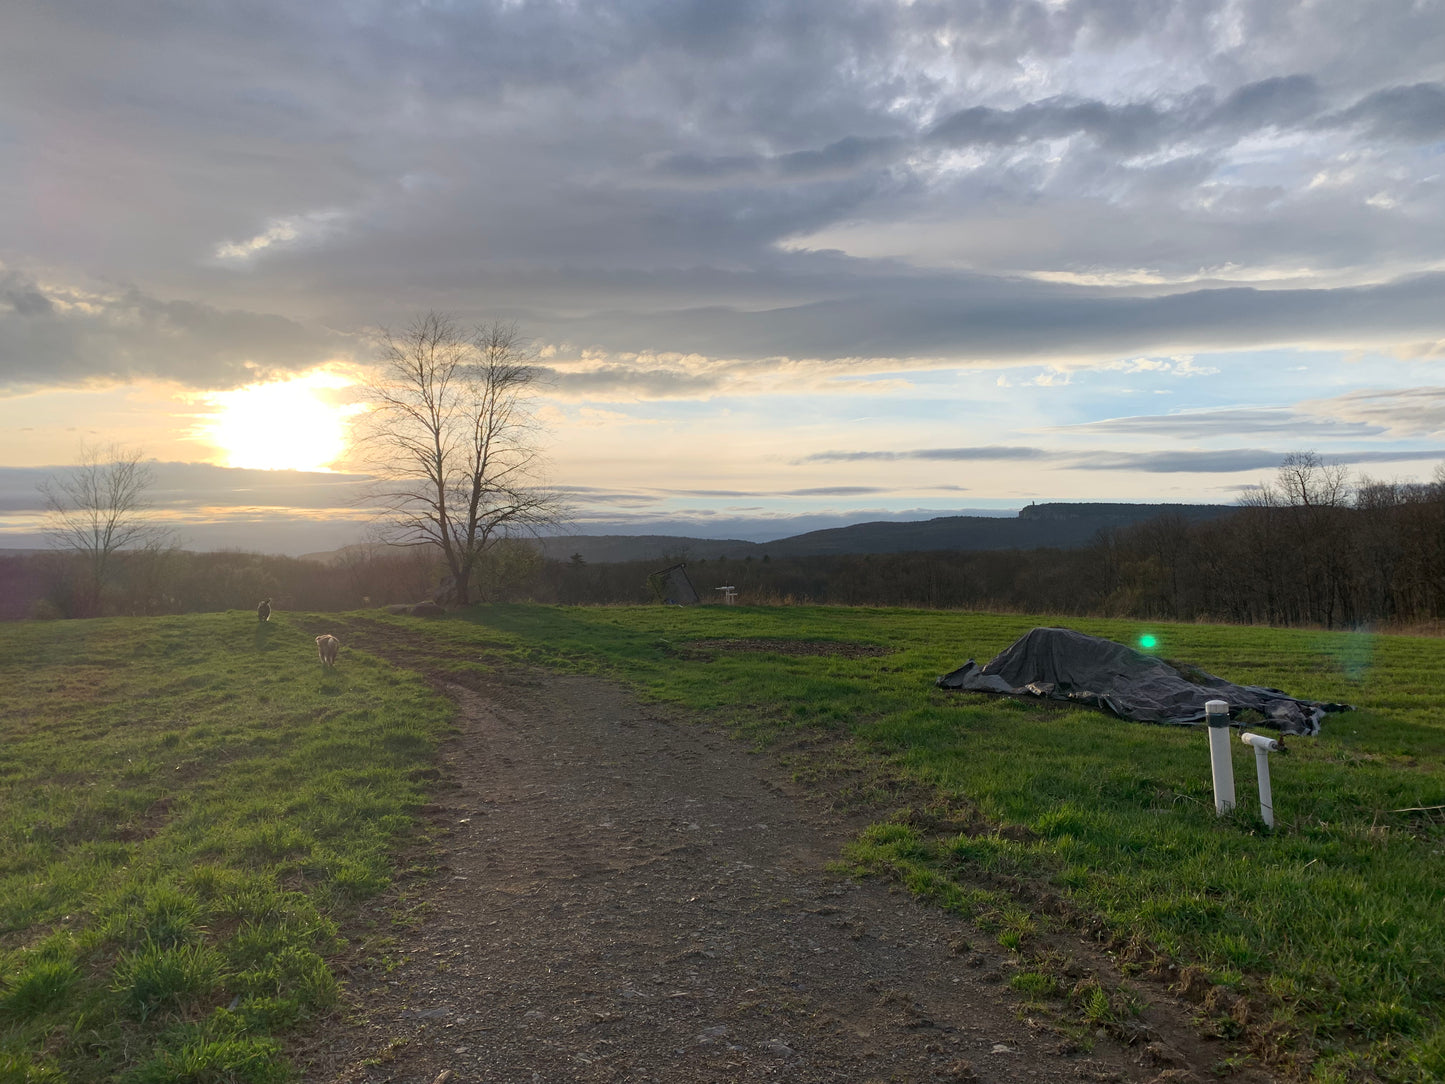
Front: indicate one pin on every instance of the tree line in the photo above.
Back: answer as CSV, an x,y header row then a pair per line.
x,y
1306,548
171,581
1310,547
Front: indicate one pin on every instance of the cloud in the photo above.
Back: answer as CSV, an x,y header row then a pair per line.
x,y
731,494
1232,460
596,495
1423,351
1278,101
281,232
266,511
972,323
839,158
593,495
990,452
121,334
1413,114
57,335
1182,365
1226,423
1183,461
1128,129
1400,411
1227,461
190,487
835,491
23,298
786,191
1410,114
607,381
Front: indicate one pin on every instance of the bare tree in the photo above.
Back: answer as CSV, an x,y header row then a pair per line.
x,y
1307,481
99,510
453,442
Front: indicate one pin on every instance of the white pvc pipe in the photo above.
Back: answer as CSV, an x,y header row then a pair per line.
x,y
1221,763
1260,742
1263,747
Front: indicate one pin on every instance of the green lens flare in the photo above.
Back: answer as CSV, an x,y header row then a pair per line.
x,y
1148,642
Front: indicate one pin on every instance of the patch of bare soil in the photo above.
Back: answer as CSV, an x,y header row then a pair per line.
x,y
839,648
627,896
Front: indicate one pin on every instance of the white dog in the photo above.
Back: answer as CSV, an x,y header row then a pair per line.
x,y
327,646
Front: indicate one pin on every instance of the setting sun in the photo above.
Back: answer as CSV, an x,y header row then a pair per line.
x,y
288,425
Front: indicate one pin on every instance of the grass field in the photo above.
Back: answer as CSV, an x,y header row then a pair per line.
x,y
1332,926
187,807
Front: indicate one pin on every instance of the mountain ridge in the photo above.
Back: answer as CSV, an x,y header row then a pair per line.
x,y
1062,525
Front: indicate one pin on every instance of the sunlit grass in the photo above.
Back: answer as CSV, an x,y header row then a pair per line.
x,y
1334,922
187,806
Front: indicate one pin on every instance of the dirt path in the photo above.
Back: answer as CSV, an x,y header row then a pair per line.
x,y
628,897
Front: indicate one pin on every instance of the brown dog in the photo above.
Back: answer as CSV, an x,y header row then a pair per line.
x,y
327,646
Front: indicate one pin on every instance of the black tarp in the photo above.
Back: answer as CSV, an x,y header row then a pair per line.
x,y
1061,664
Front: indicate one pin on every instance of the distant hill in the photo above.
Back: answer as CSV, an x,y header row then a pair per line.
x,y
1056,525
358,551
598,549
1123,513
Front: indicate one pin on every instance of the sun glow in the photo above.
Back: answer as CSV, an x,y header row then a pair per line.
x,y
295,424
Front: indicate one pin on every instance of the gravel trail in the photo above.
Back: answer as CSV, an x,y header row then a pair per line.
x,y
627,896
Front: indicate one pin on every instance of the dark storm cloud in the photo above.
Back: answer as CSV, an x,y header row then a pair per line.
x,y
622,175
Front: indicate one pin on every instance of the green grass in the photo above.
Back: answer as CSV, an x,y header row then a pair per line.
x,y
187,808
1333,924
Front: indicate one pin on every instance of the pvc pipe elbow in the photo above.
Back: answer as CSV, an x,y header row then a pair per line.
x,y
1259,741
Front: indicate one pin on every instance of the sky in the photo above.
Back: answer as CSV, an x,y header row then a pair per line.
x,y
785,265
